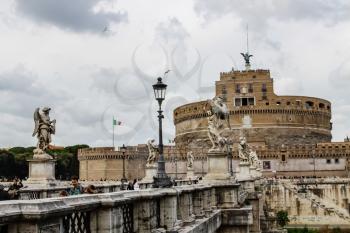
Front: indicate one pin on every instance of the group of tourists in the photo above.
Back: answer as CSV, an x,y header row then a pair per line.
x,y
133,185
12,193
78,189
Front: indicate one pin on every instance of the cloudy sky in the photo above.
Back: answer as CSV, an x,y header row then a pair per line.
x,y
90,60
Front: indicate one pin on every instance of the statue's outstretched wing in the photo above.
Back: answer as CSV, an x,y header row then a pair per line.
x,y
36,121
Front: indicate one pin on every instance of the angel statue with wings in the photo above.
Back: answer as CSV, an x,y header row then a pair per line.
x,y
218,120
44,127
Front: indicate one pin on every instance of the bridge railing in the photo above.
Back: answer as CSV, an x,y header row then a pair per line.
x,y
102,187
126,211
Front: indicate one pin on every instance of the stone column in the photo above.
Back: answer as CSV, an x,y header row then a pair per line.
x,y
109,220
168,212
47,226
41,172
255,227
206,202
217,166
186,207
198,204
213,199
145,215
228,197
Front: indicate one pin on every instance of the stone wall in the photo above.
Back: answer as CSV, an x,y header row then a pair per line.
x,y
331,159
315,204
107,163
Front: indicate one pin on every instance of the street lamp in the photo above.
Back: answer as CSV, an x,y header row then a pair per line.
x,y
230,154
161,180
123,180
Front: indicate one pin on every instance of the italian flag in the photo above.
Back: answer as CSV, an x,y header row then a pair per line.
x,y
115,122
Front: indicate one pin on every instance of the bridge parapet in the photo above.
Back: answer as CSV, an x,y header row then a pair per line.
x,y
187,208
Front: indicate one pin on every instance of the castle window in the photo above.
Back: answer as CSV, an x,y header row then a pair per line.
x,y
328,107
267,103
288,103
238,88
238,102
250,88
336,160
321,105
263,88
309,104
278,103
254,76
244,101
328,161
298,102
283,158
223,91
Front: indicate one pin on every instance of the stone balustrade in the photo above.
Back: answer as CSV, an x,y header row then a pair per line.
x,y
29,193
187,208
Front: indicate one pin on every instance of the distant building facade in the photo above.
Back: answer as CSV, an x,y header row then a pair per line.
x,y
291,134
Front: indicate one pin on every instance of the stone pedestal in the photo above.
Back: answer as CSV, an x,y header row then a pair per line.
x,y
244,171
253,172
217,166
190,173
258,172
150,171
41,171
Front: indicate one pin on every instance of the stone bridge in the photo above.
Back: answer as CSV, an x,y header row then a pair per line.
x,y
219,207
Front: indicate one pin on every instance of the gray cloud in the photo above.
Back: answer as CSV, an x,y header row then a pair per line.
x,y
260,12
74,15
21,92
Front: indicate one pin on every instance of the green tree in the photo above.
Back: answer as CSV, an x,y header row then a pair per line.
x,y
14,162
282,218
7,163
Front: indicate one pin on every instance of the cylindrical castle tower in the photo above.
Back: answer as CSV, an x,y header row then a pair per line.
x,y
256,111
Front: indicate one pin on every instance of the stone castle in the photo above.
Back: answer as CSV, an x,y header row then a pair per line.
x,y
291,134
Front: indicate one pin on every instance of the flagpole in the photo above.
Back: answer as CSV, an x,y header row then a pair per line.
x,y
113,133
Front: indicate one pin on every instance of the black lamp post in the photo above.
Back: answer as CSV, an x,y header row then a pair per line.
x,y
123,180
161,180
230,154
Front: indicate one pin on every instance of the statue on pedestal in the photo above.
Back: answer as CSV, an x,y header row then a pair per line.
x,y
243,150
218,118
151,165
254,160
44,128
190,160
152,152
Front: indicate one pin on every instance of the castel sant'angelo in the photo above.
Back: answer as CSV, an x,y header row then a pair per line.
x,y
291,134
